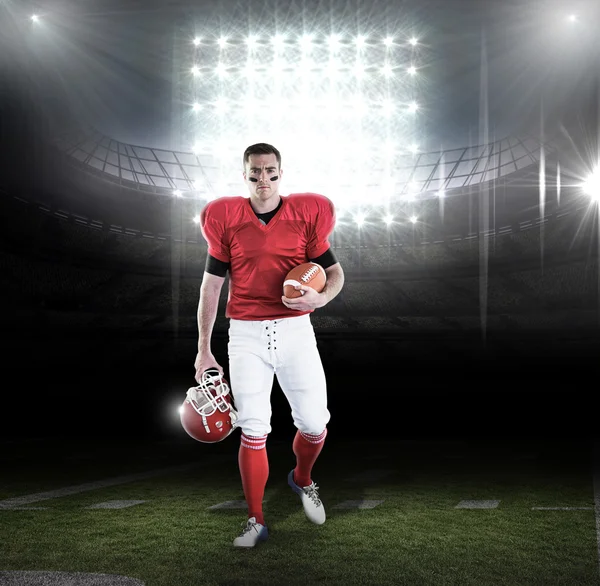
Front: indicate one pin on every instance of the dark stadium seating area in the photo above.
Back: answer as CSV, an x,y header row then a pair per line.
x,y
464,324
75,273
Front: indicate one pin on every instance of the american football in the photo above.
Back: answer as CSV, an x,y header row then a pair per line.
x,y
309,273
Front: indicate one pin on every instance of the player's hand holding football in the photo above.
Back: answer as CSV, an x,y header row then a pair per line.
x,y
204,361
309,300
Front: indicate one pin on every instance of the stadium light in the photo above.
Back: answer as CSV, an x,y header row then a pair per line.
x,y
387,70
221,105
278,41
352,95
306,42
359,71
334,41
35,18
359,219
591,186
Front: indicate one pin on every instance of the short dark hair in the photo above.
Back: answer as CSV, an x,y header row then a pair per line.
x,y
261,148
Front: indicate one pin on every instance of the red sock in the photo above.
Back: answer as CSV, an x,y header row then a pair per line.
x,y
254,469
307,448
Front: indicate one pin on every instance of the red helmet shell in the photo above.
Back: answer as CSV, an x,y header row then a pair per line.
x,y
207,414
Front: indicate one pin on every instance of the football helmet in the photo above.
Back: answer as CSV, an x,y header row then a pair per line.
x,y
207,414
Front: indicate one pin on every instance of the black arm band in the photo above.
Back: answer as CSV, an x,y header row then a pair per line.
x,y
216,267
326,260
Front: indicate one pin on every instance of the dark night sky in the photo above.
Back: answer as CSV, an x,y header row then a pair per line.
x,y
111,61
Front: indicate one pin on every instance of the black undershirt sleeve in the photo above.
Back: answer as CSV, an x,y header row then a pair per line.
x,y
326,260
216,267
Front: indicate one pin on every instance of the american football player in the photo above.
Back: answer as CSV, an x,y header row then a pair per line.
x,y
258,240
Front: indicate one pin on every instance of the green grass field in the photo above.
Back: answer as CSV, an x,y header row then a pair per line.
x,y
415,536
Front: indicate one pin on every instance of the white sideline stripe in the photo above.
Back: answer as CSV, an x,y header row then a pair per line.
x,y
477,504
115,504
562,508
596,472
25,508
48,578
19,501
359,504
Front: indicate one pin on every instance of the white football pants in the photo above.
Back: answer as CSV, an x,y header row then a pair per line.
x,y
286,348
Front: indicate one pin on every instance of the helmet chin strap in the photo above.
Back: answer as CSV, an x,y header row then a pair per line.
x,y
205,423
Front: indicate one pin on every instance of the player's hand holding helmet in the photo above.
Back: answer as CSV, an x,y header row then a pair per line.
x,y
205,361
207,414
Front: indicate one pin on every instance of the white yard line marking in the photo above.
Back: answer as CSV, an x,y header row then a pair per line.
x,y
20,501
15,508
358,504
31,577
562,508
115,504
477,505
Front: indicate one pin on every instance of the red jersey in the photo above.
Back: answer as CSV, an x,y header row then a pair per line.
x,y
261,256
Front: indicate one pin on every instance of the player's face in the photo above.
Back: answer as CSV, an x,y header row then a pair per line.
x,y
262,175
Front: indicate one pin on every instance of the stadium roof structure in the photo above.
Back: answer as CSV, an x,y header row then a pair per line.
x,y
421,175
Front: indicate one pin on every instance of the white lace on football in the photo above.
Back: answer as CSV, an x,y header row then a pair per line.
x,y
308,275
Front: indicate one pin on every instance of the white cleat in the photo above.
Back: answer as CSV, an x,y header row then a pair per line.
x,y
253,533
313,507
